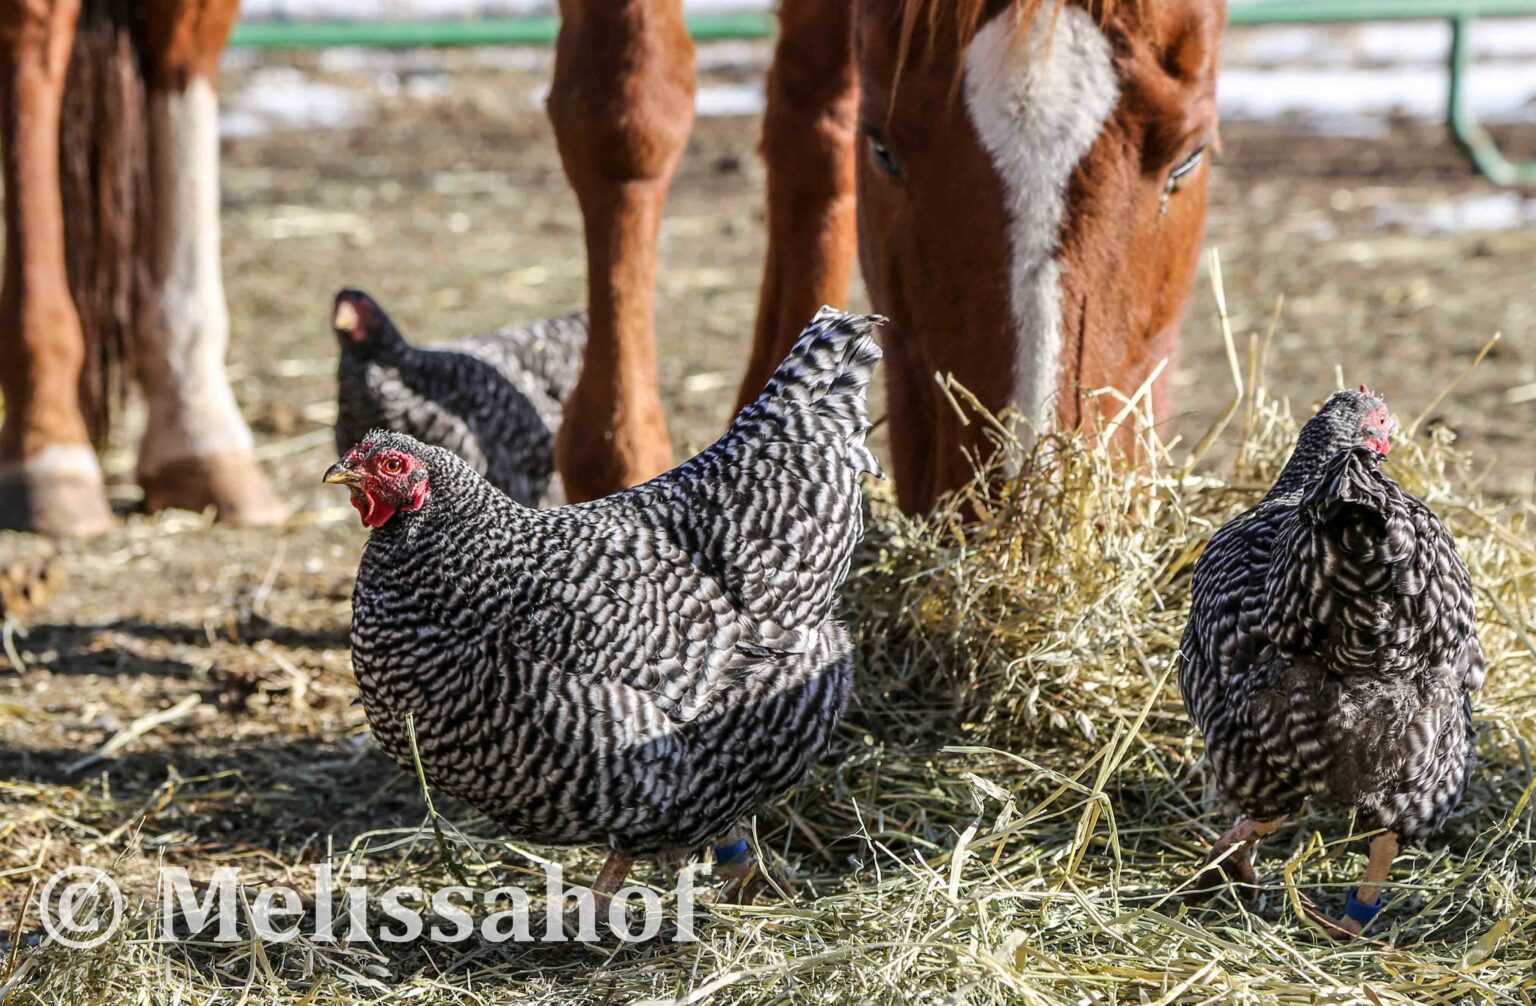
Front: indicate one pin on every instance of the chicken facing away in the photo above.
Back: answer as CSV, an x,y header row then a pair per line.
x,y
1332,651
493,399
643,671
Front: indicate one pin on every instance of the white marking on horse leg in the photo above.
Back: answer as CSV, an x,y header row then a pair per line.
x,y
59,490
56,461
1038,95
192,412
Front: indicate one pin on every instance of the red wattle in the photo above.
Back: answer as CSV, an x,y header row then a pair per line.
x,y
373,514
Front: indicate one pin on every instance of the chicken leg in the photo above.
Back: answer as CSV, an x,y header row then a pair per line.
x,y
745,875
1365,901
1238,867
615,870
613,873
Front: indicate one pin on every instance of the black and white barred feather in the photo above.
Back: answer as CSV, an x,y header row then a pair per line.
x,y
647,669
1332,650
494,399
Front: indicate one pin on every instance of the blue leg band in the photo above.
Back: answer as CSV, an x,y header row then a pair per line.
x,y
729,855
1360,912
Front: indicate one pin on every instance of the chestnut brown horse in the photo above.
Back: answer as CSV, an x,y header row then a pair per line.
x,y
1031,188
113,249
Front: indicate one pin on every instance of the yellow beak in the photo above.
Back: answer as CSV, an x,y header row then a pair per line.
x,y
345,318
340,475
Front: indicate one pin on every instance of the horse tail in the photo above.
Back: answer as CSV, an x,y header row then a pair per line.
x,y
105,184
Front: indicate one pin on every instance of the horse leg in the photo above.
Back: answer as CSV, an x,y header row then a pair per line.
x,y
810,133
197,450
621,106
49,478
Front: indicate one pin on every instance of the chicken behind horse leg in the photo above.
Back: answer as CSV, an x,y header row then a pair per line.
x,y
494,399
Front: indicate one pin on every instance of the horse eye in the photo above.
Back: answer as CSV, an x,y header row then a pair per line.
x,y
880,153
1184,168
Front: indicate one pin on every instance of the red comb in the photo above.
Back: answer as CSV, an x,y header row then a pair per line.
x,y
1364,390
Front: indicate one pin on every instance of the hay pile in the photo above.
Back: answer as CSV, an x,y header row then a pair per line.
x,y
1013,805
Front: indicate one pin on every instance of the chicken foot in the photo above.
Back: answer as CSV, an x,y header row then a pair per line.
x,y
1365,901
744,873
1238,867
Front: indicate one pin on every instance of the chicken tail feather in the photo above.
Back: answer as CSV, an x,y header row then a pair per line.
x,y
830,368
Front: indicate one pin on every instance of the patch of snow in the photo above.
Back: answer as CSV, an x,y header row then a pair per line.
x,y
1489,212
709,100
281,97
1378,42
729,99
1497,92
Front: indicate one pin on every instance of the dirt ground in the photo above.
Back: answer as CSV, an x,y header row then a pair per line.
x,y
448,204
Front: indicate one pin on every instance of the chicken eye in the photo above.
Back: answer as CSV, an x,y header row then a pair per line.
x,y
880,154
392,466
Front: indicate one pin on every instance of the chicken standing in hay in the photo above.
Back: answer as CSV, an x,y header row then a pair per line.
x,y
1332,651
644,671
493,399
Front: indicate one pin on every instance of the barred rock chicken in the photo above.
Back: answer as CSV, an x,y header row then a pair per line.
x,y
643,671
1332,651
493,399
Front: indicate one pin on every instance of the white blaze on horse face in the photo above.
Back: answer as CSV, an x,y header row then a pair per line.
x,y
192,412
1038,95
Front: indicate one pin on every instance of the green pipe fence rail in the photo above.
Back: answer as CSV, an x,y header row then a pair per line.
x,y
542,30
530,30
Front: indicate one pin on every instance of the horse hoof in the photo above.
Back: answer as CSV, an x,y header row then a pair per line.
x,y
55,493
232,484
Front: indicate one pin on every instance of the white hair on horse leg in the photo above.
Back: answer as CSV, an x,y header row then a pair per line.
x,y
54,461
192,412
1038,96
